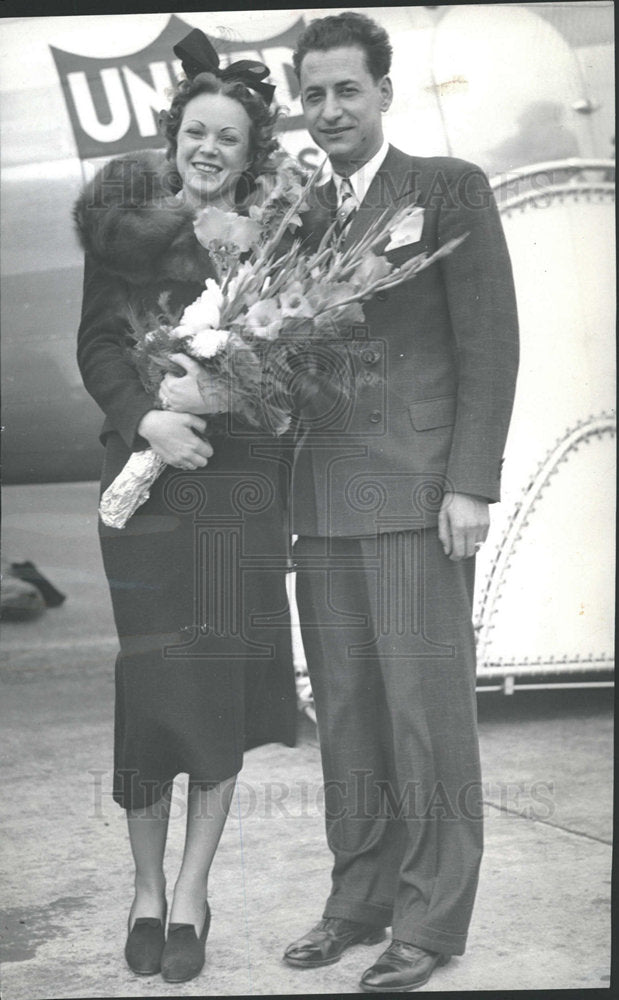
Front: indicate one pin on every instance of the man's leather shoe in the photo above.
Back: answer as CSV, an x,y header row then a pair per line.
x,y
401,968
183,955
144,946
328,940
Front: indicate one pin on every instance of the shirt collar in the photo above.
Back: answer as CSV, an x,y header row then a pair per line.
x,y
363,177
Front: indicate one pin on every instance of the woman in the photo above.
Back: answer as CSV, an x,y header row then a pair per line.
x,y
197,575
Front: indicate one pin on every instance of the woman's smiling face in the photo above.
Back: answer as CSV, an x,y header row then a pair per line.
x,y
213,148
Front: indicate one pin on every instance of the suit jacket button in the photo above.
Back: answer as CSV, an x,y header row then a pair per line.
x,y
375,417
369,356
381,296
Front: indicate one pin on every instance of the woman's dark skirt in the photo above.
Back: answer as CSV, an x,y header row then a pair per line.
x,y
197,579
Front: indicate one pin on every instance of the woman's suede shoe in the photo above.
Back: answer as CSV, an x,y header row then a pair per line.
x,y
144,946
183,955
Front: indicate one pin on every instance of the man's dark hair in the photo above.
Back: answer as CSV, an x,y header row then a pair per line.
x,y
348,29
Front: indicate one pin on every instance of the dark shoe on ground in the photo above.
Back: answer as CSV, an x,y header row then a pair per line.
x,y
403,967
28,572
328,940
19,600
183,955
145,945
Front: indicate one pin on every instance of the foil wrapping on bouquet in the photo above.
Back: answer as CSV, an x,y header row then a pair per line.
x,y
131,488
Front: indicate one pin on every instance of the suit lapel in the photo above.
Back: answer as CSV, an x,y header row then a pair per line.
x,y
394,184
322,204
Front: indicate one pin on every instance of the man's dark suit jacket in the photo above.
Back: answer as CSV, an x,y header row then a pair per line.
x,y
434,366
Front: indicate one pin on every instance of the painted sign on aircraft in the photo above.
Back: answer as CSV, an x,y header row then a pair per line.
x,y
100,82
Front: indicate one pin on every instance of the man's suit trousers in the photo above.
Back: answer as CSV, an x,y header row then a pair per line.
x,y
386,624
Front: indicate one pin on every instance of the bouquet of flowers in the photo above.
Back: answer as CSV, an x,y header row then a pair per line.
x,y
275,296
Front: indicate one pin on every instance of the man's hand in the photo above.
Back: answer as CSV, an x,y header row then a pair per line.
x,y
174,436
463,524
191,392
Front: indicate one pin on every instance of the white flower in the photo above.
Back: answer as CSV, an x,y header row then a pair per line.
x,y
213,226
202,314
207,343
264,319
234,282
294,302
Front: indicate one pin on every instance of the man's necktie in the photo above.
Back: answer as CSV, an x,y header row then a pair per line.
x,y
347,206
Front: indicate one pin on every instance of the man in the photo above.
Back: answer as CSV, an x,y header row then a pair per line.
x,y
390,503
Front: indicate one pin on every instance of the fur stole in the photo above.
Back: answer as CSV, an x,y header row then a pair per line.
x,y
129,221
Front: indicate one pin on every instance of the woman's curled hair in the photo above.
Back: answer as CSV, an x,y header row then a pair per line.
x,y
262,119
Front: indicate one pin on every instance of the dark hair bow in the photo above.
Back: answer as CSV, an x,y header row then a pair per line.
x,y
198,56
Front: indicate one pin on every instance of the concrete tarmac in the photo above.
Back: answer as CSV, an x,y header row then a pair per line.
x,y
542,917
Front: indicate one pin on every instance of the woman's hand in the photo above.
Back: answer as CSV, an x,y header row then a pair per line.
x,y
174,437
193,392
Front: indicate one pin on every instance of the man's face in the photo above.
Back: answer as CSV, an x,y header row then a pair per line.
x,y
343,105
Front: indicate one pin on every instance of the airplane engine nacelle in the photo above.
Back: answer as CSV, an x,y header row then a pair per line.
x,y
545,582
